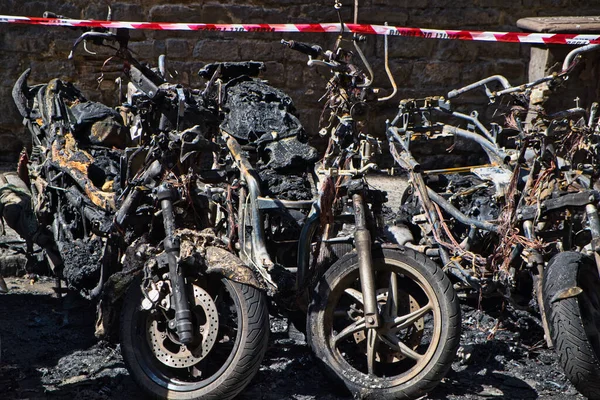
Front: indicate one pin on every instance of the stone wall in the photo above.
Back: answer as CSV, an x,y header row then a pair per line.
x,y
420,66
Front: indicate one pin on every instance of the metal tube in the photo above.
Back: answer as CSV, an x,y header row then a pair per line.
x,y
488,146
594,225
368,81
523,87
162,66
528,230
475,121
259,249
387,69
128,207
462,218
571,56
593,112
498,78
594,220
568,113
362,242
406,159
536,258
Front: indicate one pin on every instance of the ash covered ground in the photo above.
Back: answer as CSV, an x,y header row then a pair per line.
x,y
46,357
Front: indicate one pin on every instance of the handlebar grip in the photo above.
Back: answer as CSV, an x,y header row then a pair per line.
x,y
50,14
312,50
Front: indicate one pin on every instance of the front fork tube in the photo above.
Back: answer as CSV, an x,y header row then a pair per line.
x,y
537,259
183,314
362,241
594,225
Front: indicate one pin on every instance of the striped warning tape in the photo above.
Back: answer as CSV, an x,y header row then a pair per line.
x,y
514,37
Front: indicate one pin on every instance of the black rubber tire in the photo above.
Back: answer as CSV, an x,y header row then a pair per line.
x,y
574,334
239,369
373,387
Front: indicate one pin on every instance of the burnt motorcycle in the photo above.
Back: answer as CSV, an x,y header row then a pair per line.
x,y
515,215
124,211
383,319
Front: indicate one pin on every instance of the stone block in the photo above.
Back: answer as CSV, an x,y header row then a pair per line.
x,y
275,73
407,48
436,73
142,50
216,50
214,13
380,15
178,48
297,78
175,13
127,12
261,51
541,4
309,117
456,50
402,72
456,18
97,11
312,78
403,3
10,143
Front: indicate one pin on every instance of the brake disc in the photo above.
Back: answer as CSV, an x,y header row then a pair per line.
x,y
165,344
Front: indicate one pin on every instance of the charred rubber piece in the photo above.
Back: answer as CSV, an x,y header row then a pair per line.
x,y
290,152
230,70
20,93
312,50
255,109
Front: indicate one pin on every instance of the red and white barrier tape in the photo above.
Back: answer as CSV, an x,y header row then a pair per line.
x,y
514,37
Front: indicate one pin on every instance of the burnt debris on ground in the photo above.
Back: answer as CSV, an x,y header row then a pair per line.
x,y
502,355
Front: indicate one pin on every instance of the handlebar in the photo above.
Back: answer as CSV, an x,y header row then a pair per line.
x,y
311,50
96,37
50,14
332,65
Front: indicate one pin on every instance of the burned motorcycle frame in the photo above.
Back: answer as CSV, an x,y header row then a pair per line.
x,y
522,222
125,214
383,319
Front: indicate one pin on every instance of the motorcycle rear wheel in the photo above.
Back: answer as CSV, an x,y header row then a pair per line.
x,y
574,320
411,351
235,350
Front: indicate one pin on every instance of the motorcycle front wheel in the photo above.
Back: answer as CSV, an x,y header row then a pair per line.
x,y
232,325
412,349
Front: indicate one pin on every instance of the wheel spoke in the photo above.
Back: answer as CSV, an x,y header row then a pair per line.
x,y
349,330
409,319
355,294
397,345
392,297
371,350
